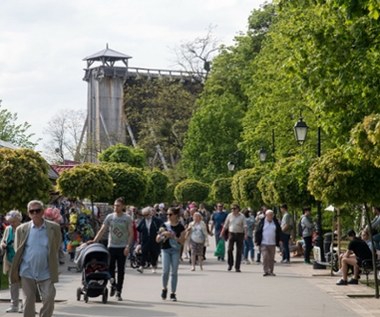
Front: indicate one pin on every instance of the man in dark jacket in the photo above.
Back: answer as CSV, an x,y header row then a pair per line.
x,y
148,228
267,236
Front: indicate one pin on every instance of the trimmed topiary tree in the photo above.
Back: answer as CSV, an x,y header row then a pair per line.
x,y
121,153
221,190
129,182
191,190
23,177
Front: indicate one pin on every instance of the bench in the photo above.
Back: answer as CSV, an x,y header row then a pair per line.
x,y
367,267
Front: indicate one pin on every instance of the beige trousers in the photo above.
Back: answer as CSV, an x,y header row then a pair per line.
x,y
267,253
47,291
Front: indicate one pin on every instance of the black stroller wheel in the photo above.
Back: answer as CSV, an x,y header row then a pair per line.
x,y
79,293
134,264
105,295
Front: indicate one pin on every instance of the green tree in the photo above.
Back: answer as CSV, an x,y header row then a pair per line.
x,y
86,181
13,132
129,182
121,153
215,128
158,112
366,138
23,177
221,190
191,190
286,183
160,183
244,187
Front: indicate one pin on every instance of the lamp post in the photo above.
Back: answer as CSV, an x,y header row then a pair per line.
x,y
300,133
263,153
231,166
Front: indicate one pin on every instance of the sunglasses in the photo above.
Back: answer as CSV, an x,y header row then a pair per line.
x,y
170,215
35,211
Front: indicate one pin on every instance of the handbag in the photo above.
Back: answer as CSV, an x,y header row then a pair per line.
x,y
174,244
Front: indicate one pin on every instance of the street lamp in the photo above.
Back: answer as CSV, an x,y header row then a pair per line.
x,y
300,133
231,166
262,154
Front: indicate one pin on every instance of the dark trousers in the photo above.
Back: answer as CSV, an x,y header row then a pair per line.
x,y
118,258
238,239
150,254
285,246
308,247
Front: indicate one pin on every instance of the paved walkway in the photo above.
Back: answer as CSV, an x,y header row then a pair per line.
x,y
297,290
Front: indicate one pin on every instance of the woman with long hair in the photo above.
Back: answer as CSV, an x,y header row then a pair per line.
x,y
172,236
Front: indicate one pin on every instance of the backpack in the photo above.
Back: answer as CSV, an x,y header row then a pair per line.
x,y
300,228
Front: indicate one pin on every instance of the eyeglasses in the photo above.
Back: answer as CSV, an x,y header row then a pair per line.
x,y
234,208
170,215
35,211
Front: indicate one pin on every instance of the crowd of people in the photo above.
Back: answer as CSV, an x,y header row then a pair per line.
x,y
34,249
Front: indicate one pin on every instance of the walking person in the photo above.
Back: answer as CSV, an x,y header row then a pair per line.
x,y
197,231
267,237
237,231
307,226
148,228
286,231
120,237
172,236
35,263
13,218
249,249
217,221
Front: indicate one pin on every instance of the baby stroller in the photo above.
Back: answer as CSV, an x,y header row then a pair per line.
x,y
93,260
136,258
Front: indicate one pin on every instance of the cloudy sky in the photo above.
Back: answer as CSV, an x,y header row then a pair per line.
x,y
43,42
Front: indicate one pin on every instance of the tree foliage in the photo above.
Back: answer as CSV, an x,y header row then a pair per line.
x,y
88,180
129,182
160,182
13,132
216,126
286,183
158,111
191,190
121,153
221,190
23,177
366,139
244,187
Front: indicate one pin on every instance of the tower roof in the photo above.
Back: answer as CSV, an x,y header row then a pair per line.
x,y
108,57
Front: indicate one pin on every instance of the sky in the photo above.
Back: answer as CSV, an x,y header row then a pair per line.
x,y
43,43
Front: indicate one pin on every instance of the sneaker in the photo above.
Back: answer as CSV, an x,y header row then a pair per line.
x,y
164,294
238,270
173,298
154,270
140,269
272,274
21,308
229,268
285,261
12,309
353,281
266,274
118,297
341,282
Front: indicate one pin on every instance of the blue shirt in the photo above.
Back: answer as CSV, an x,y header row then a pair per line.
x,y
34,264
218,218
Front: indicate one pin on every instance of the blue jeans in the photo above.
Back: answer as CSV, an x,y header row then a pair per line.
x,y
170,263
249,248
